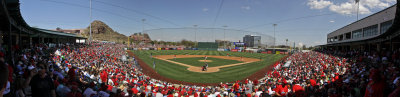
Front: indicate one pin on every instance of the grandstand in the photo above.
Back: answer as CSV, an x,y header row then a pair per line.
x,y
377,32
15,31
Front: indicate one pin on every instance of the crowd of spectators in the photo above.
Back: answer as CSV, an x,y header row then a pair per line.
x,y
99,70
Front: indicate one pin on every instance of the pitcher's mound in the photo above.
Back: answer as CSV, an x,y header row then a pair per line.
x,y
205,60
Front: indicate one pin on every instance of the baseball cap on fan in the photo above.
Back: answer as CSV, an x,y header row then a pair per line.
x,y
396,80
30,67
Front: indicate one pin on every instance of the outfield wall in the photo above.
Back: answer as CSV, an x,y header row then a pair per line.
x,y
265,51
207,46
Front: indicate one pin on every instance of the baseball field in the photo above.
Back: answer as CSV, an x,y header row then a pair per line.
x,y
223,66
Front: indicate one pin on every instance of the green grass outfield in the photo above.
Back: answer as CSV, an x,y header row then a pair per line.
x,y
228,74
195,61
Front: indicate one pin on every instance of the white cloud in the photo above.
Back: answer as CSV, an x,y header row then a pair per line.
x,y
205,9
390,1
318,4
332,21
350,7
246,7
374,3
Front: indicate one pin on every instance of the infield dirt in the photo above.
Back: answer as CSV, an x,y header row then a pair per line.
x,y
209,69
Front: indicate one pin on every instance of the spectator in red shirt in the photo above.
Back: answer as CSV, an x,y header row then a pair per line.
x,y
134,91
281,90
376,86
236,86
71,74
298,90
313,82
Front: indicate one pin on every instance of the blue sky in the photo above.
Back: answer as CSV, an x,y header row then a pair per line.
x,y
302,21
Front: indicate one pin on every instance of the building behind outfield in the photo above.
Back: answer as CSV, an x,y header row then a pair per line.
x,y
252,41
377,32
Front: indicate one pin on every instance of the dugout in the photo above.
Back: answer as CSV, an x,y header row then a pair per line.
x,y
207,46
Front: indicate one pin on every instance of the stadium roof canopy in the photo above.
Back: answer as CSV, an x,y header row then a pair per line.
x,y
51,32
10,15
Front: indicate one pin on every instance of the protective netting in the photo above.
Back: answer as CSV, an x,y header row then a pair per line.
x,y
205,35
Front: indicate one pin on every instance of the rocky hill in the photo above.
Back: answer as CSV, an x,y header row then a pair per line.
x,y
102,32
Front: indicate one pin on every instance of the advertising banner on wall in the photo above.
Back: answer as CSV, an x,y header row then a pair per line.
x,y
234,50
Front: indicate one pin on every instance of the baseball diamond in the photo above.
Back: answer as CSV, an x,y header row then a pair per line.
x,y
184,65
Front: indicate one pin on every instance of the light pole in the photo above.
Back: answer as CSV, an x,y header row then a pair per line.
x,y
90,23
358,7
274,37
143,24
224,36
286,42
195,33
140,40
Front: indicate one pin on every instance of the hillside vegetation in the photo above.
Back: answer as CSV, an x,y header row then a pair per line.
x,y
102,32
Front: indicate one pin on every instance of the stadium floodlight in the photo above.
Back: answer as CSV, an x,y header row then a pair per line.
x,y
274,37
140,40
358,7
143,24
90,23
195,33
286,41
224,36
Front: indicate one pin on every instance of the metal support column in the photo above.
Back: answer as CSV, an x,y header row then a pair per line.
x,y
30,42
19,39
9,45
391,44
